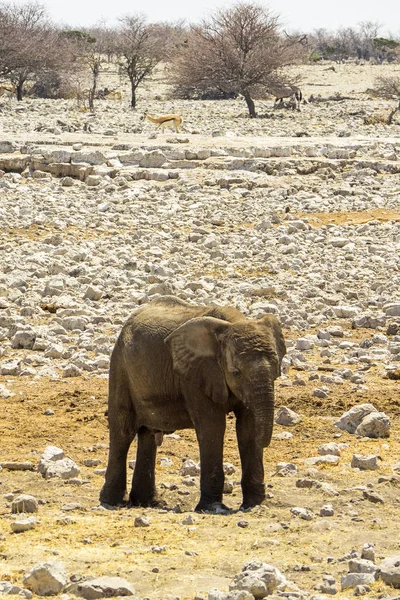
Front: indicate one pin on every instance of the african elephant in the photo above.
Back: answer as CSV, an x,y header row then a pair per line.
x,y
178,366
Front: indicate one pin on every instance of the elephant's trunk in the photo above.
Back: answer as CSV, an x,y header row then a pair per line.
x,y
262,406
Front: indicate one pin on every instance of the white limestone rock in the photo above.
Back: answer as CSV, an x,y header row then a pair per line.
x,y
374,425
287,417
325,459
46,579
103,587
365,463
65,469
352,580
190,467
330,448
50,454
24,503
23,524
389,571
259,579
351,419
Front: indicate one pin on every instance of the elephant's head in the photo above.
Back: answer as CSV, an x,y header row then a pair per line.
x,y
240,359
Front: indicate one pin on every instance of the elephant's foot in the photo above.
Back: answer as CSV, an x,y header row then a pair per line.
x,y
249,503
217,508
253,495
110,496
146,501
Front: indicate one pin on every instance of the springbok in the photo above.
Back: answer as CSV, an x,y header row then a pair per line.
x,y
7,90
106,94
166,121
287,91
113,95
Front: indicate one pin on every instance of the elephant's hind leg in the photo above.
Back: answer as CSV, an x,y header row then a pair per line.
x,y
122,426
143,491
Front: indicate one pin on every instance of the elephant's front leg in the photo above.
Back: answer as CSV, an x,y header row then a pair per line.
x,y
251,457
210,435
143,492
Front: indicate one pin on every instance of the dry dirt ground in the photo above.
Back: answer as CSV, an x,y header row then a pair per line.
x,y
169,557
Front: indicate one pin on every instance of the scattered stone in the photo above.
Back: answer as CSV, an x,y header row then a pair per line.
x,y
142,522
65,469
373,497
368,551
259,579
24,503
352,580
17,466
327,488
23,524
389,571
321,392
361,590
8,588
283,435
365,463
189,467
374,425
304,513
331,449
326,459
287,417
351,419
243,524
103,587
326,511
284,469
189,520
46,579
54,464
361,565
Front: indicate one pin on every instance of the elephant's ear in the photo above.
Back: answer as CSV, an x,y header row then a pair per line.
x,y
274,324
195,353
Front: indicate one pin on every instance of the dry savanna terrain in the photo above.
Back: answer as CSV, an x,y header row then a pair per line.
x,y
295,213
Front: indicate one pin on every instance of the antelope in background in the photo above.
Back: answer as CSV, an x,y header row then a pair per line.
x,y
7,90
287,91
166,121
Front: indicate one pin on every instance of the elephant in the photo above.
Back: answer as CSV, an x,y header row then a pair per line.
x,y
178,366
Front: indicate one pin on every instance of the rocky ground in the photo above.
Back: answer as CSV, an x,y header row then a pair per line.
x,y
296,213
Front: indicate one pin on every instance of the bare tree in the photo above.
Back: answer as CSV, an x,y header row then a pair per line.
x,y
86,52
28,43
389,88
237,50
139,51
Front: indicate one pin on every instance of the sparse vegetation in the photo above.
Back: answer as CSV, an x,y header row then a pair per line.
x,y
239,50
389,88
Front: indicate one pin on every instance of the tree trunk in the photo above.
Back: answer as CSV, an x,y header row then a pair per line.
x,y
133,95
250,105
19,90
92,92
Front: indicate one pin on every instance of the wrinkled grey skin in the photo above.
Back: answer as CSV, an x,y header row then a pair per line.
x,y
178,366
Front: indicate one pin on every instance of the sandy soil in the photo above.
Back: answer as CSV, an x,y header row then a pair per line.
x,y
207,553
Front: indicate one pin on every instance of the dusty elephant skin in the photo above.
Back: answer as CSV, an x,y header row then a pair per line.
x,y
178,366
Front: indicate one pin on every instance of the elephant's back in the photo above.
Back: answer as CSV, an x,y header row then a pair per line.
x,y
157,320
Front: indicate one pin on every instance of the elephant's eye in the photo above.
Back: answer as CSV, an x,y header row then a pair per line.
x,y
236,373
